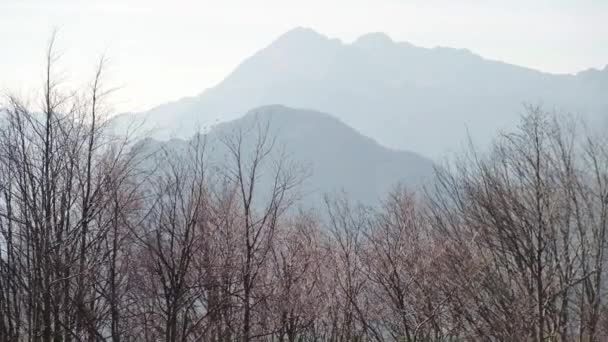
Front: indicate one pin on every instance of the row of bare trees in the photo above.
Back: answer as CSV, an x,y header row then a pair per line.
x,y
102,238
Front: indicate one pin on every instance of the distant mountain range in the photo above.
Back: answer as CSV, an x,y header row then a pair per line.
x,y
335,157
403,96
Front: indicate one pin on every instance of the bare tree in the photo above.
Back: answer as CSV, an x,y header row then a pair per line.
x,y
250,154
297,259
519,212
169,238
57,164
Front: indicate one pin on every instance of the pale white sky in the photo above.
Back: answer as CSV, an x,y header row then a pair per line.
x,y
164,50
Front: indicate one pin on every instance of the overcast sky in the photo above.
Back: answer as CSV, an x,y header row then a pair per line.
x,y
163,50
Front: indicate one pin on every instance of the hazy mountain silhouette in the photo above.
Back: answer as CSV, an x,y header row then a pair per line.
x,y
401,95
335,157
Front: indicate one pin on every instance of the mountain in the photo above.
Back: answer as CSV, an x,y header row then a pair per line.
x,y
403,96
335,157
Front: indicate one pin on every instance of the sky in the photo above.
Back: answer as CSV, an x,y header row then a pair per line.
x,y
160,51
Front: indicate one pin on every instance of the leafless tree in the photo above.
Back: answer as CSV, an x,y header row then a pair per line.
x,y
520,213
296,265
175,219
57,165
250,154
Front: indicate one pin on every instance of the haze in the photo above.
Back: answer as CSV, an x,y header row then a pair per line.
x,y
281,171
161,51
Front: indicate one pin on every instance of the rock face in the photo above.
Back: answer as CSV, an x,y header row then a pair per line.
x,y
403,96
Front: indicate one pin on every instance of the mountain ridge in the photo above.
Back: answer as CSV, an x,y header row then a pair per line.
x,y
336,157
403,96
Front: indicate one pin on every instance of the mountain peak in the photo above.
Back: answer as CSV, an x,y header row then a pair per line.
x,y
374,40
592,73
272,111
300,35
